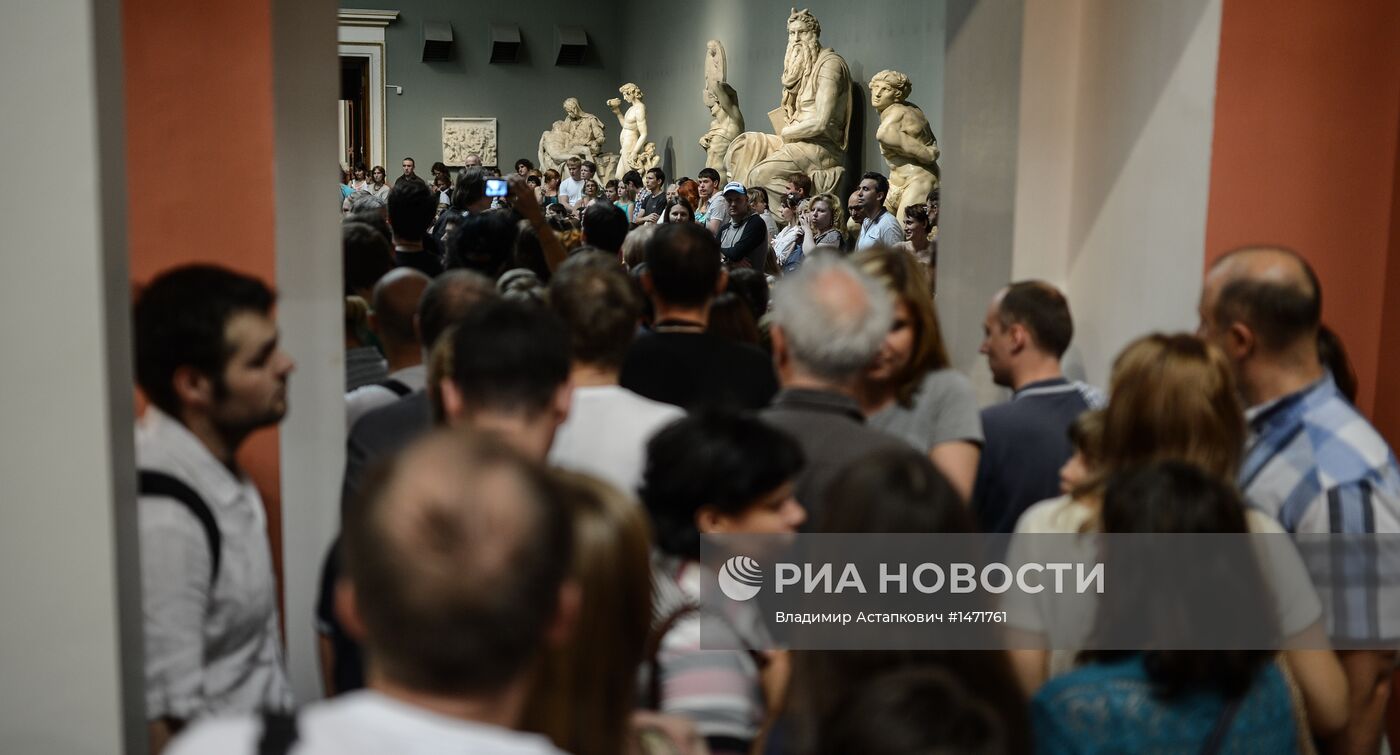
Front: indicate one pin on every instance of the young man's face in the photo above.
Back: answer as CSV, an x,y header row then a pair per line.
x,y
652,183
586,172
408,167
868,196
610,192
707,186
254,382
575,171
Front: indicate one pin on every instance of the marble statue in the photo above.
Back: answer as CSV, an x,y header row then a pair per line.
x,y
726,122
634,127
906,141
812,122
646,159
579,135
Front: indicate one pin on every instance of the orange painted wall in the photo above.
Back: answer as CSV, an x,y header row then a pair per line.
x,y
1307,125
200,154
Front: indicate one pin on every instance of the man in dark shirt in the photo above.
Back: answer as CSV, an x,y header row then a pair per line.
x,y
1027,329
411,207
653,205
678,362
829,322
744,239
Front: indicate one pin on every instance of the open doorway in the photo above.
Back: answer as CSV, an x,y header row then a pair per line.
x,y
354,111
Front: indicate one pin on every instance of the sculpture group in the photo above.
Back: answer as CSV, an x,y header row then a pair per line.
x,y
811,126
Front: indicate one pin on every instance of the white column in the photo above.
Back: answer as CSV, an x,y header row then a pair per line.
x,y
70,643
309,312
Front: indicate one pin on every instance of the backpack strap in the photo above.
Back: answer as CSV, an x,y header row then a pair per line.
x,y
653,651
153,483
397,386
279,732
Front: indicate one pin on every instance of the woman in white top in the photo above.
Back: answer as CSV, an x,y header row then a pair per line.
x,y
1172,397
786,248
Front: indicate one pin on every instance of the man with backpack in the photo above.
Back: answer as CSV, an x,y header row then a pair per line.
x,y
208,361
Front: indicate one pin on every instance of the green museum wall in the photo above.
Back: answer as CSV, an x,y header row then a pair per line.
x,y
661,48
524,97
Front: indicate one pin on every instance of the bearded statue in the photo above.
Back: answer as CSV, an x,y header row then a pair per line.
x,y
811,123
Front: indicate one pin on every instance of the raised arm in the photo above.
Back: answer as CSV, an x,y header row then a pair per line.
x,y
524,203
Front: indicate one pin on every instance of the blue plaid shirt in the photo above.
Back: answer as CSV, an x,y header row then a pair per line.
x,y
1318,467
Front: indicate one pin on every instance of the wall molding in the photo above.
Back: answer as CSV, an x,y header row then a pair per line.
x,y
367,17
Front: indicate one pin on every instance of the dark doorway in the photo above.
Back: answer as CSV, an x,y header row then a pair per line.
x,y
354,110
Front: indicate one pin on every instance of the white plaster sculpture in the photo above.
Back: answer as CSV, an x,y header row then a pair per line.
x,y
812,122
646,159
906,141
468,136
579,135
726,122
634,126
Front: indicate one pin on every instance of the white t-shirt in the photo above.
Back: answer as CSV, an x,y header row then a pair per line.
x,y
882,231
573,189
364,722
606,434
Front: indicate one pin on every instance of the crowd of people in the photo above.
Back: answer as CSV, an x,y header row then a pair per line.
x,y
553,394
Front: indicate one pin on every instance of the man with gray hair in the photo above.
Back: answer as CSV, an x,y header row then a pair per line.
x,y
829,320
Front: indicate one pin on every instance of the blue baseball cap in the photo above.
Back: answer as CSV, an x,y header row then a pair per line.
x,y
735,186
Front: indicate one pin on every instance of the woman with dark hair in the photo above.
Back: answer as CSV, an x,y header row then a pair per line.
x,y
731,317
678,210
377,187
523,167
485,242
911,389
917,227
895,491
715,472
1164,700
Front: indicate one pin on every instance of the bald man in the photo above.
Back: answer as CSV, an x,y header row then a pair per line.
x,y
394,322
1313,461
451,658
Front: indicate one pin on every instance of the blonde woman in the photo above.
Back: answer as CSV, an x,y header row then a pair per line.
x,y
820,221
1173,398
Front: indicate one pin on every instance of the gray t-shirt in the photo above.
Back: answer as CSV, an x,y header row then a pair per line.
x,y
944,409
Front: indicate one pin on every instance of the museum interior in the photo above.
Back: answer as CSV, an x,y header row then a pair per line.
x,y
1069,252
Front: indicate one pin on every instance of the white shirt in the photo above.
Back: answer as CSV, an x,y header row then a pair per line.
x,y
1069,618
883,230
367,398
207,651
571,188
606,434
364,722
